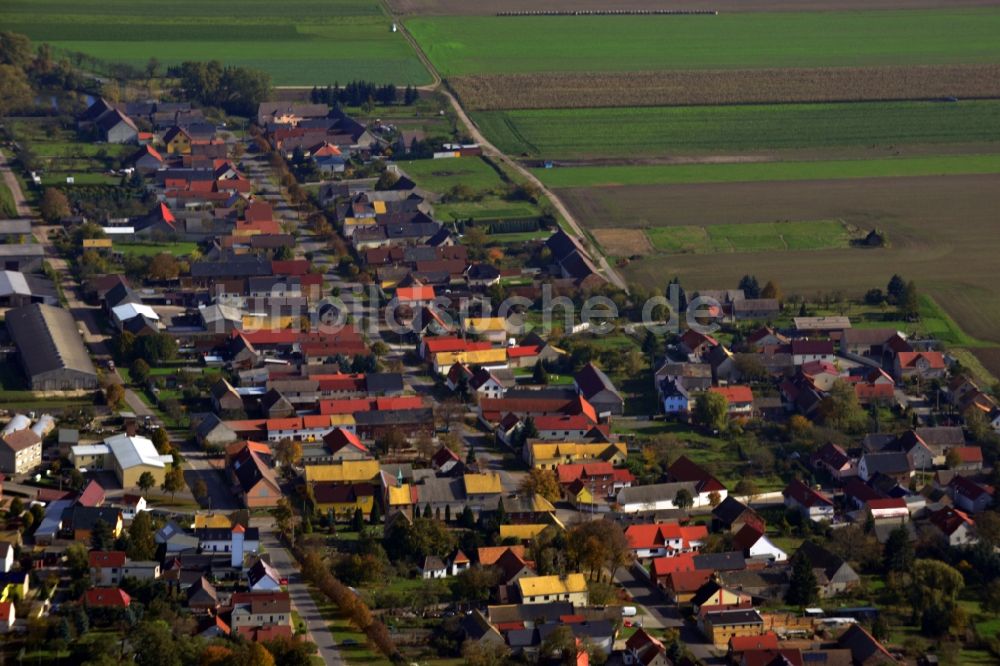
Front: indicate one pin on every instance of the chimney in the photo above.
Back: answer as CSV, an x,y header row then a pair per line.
x,y
236,561
130,427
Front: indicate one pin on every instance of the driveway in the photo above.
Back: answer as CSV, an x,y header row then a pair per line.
x,y
317,630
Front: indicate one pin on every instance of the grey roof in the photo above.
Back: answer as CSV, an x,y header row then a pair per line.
x,y
656,492
592,381
734,617
22,250
729,510
18,227
438,490
48,339
728,561
888,463
21,284
384,382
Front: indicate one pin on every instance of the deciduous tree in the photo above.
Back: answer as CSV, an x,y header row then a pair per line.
x,y
543,482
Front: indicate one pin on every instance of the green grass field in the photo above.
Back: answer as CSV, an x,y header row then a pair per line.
x,y
179,249
489,208
597,176
503,45
637,132
299,42
440,175
756,237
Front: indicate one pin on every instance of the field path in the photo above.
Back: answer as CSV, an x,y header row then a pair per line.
x,y
20,203
492,151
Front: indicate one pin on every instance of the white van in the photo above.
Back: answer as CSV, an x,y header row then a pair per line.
x,y
629,611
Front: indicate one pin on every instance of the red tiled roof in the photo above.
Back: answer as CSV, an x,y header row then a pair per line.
x,y
572,471
969,454
563,422
663,566
909,359
688,581
768,641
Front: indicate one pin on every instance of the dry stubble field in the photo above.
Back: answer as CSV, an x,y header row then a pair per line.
x,y
753,86
942,233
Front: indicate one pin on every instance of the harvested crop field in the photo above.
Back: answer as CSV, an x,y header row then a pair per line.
x,y
623,242
491,7
751,237
462,45
941,230
636,132
741,86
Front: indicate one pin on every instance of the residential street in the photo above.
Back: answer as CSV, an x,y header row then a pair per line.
x,y
662,614
298,590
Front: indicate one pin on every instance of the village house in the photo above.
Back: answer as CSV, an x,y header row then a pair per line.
x,y
543,589
811,503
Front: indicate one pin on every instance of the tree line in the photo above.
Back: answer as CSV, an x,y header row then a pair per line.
x,y
235,90
357,93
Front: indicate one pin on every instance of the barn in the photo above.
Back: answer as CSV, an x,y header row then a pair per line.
x,y
51,349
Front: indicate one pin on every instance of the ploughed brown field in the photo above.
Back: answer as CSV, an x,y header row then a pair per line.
x,y
990,358
489,7
755,86
942,234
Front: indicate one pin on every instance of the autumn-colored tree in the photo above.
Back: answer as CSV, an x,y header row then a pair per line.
x,y
54,205
772,290
288,452
173,480
163,267
114,394
542,482
597,545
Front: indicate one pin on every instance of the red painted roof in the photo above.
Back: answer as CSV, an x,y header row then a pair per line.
x,y
734,394
422,292
100,559
805,495
92,495
451,343
106,597
522,351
